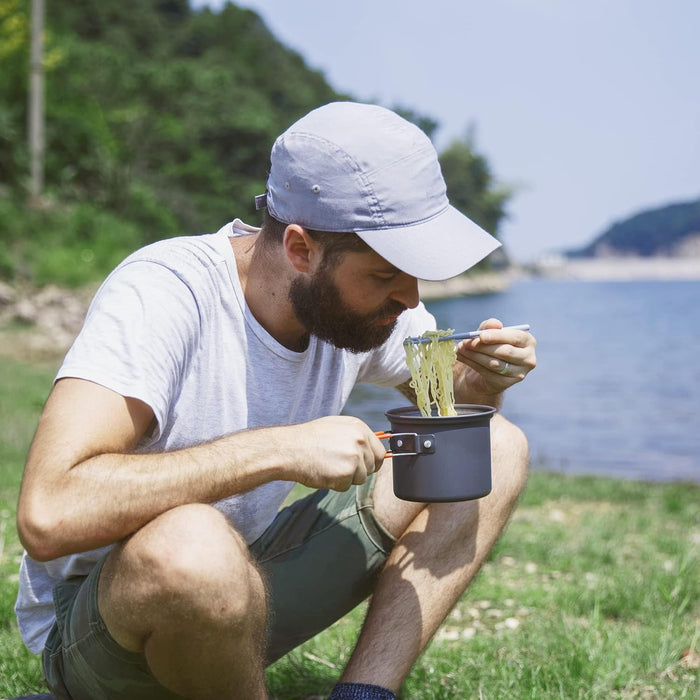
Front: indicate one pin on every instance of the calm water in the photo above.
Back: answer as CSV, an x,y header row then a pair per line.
x,y
617,386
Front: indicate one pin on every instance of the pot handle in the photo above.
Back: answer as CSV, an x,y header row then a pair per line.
x,y
408,444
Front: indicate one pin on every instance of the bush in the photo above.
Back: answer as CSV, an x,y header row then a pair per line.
x,y
69,245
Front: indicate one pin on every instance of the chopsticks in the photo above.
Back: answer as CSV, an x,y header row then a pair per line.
x,y
465,336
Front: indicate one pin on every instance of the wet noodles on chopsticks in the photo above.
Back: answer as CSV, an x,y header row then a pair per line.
x,y
431,372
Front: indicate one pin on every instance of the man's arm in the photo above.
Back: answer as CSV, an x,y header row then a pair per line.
x,y
408,391
84,488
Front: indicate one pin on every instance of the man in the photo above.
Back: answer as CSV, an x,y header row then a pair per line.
x,y
211,370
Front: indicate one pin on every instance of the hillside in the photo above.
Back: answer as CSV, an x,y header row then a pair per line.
x,y
669,231
159,121
158,113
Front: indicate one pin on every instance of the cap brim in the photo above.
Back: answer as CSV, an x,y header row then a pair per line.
x,y
437,249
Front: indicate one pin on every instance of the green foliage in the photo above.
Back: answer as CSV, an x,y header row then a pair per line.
x,y
92,240
159,121
183,104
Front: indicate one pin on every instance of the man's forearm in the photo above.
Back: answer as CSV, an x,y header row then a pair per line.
x,y
109,496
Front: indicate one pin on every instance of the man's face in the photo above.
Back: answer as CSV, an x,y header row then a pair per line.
x,y
353,304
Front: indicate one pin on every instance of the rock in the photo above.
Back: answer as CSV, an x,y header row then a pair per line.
x,y
49,319
690,659
7,295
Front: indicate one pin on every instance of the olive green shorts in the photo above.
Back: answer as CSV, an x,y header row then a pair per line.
x,y
320,557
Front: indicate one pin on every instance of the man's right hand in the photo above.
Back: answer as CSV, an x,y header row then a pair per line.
x,y
336,452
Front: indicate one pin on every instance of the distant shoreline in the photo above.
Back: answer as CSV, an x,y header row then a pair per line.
x,y
620,269
588,270
466,285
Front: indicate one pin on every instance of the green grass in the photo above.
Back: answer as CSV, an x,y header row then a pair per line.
x,y
592,592
23,390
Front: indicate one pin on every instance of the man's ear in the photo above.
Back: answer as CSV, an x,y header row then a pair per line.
x,y
301,250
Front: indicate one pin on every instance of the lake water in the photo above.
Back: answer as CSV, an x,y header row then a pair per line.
x,y
617,386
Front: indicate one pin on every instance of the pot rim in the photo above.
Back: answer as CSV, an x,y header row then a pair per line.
x,y
412,414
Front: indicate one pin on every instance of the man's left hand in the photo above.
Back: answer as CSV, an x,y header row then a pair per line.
x,y
496,360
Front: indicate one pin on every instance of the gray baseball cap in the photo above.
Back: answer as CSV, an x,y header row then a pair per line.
x,y
357,167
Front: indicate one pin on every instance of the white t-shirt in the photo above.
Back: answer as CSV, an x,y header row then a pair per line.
x,y
170,327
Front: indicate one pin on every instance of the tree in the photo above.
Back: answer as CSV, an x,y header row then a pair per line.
x,y
14,67
36,105
471,186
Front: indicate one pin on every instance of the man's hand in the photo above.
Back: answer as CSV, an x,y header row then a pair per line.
x,y
336,452
491,363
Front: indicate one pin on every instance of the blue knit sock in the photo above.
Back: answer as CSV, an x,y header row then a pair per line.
x,y
361,691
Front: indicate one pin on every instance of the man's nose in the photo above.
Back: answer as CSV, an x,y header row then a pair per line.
x,y
406,291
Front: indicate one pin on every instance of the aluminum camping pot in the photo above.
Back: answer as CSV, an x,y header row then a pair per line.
x,y
441,458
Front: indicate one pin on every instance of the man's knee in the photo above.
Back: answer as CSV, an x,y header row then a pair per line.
x,y
187,562
510,454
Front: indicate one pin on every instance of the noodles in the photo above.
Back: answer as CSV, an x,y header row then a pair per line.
x,y
431,372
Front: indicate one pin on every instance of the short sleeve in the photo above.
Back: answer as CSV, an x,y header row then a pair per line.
x,y
138,337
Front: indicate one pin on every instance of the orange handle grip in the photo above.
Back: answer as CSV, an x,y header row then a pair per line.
x,y
381,434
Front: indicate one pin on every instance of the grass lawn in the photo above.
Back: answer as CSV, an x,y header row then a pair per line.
x,y
592,592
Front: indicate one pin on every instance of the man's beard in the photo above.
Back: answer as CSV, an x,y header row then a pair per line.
x,y
320,307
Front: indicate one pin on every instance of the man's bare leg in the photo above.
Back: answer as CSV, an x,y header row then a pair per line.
x,y
184,591
440,550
